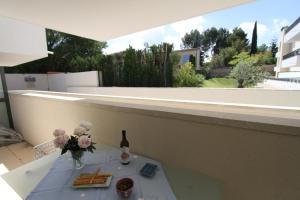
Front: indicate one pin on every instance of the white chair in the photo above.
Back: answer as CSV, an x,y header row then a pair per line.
x,y
44,149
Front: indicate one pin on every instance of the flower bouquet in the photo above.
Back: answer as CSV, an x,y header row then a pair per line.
x,y
77,144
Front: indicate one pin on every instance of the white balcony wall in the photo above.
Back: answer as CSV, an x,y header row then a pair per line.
x,y
291,62
252,160
295,75
17,82
296,45
57,82
21,42
281,85
83,79
295,69
293,35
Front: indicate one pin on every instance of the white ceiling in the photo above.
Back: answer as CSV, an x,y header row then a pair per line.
x,y
107,19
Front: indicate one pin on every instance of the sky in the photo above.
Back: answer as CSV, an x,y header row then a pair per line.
x,y
271,15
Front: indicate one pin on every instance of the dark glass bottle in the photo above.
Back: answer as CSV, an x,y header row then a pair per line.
x,y
124,145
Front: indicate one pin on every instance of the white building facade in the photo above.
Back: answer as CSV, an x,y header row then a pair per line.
x,y
288,56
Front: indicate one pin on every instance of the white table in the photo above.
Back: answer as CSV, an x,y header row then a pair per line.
x,y
185,184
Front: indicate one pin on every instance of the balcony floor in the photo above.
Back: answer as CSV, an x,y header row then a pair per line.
x,y
16,155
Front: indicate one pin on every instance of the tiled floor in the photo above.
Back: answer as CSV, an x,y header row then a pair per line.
x,y
15,155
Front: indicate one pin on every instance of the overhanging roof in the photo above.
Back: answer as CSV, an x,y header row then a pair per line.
x,y
21,42
107,19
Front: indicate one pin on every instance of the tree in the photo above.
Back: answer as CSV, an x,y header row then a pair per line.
x,y
221,40
262,48
223,58
167,65
212,40
69,50
247,73
150,67
186,77
254,40
238,40
130,67
274,48
209,39
193,39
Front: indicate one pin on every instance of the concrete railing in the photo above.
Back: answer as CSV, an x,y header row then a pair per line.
x,y
252,96
254,160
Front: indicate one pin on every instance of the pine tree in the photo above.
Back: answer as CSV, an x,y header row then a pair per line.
x,y
254,40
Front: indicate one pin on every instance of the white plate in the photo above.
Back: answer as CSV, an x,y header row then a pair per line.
x,y
104,185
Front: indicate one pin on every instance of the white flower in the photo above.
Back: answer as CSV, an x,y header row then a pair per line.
x,y
59,132
84,141
87,125
79,131
61,140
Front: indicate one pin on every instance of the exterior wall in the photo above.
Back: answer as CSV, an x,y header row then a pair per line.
x,y
83,79
287,48
17,82
289,42
252,163
194,52
294,33
59,82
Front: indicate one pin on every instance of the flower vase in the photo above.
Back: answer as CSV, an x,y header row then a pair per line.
x,y
68,155
78,161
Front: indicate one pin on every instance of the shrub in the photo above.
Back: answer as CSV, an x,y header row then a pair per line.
x,y
264,58
186,77
248,73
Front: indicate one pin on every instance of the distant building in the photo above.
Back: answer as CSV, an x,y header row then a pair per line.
x,y
186,54
288,56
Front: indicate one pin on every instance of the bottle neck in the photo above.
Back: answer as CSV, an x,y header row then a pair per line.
x,y
124,135
124,142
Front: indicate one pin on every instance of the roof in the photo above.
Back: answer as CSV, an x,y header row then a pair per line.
x,y
107,19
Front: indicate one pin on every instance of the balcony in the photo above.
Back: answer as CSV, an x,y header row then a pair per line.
x,y
289,75
292,32
252,149
291,59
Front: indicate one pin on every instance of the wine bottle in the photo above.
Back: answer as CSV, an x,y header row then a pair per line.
x,y
124,145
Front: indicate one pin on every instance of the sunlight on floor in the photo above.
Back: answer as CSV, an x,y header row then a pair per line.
x,y
3,169
11,157
7,192
16,155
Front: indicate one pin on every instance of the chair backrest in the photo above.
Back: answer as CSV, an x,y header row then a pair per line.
x,y
44,149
